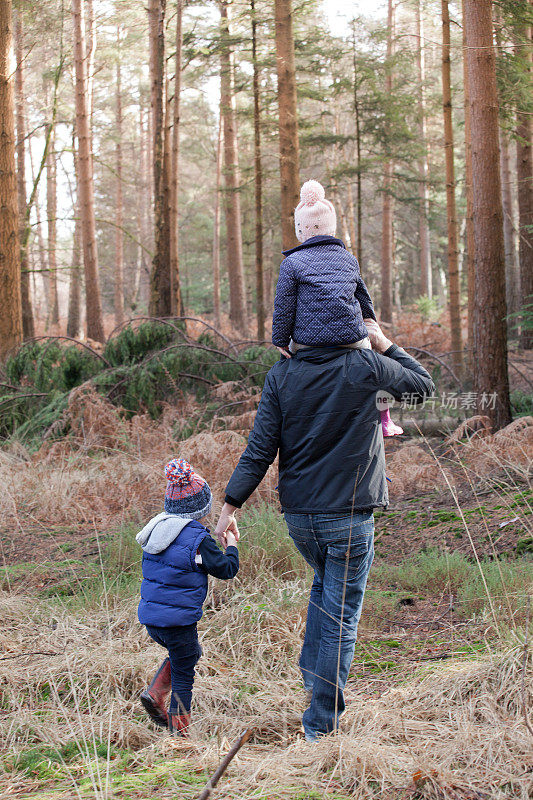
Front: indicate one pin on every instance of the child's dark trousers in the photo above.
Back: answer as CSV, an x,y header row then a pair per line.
x,y
184,651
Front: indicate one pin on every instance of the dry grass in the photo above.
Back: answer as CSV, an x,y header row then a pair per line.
x,y
72,670
461,725
106,459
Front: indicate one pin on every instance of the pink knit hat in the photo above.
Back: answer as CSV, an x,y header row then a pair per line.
x,y
314,215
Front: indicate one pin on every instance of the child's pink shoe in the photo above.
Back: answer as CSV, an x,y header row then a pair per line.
x,y
389,427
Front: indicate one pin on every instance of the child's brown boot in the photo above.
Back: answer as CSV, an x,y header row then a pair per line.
x,y
153,698
179,724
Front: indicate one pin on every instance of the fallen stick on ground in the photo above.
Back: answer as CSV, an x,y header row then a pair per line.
x,y
234,749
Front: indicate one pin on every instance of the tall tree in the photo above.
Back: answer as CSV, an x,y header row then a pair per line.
x,y
160,283
258,175
469,191
524,168
119,204
216,227
51,215
454,295
289,149
74,286
426,287
177,302
27,312
93,301
10,296
490,332
232,197
512,274
386,215
357,243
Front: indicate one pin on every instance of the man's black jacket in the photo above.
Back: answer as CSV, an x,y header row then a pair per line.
x,y
319,410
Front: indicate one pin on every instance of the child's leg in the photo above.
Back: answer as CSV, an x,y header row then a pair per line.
x,y
154,697
184,651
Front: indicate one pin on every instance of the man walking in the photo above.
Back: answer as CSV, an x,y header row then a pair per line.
x,y
319,409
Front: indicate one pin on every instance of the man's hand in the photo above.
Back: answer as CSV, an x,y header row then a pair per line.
x,y
226,522
284,351
378,340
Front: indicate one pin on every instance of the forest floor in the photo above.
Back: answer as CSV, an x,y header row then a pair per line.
x,y
441,680
441,684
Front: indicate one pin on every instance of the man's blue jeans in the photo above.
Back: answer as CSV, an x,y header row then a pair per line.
x,y
340,549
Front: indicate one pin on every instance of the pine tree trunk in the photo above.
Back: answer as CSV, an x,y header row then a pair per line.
x,y
216,228
426,288
10,296
490,333
258,175
40,240
289,149
469,191
357,243
95,325
51,214
119,209
160,283
351,219
453,263
28,328
142,270
177,303
232,198
74,287
386,217
91,55
512,275
524,169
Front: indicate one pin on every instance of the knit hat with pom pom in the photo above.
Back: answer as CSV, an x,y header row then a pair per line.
x,y
314,215
187,494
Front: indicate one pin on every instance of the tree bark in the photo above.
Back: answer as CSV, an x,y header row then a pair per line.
x,y
260,291
160,283
142,272
51,214
258,175
386,216
43,264
357,243
10,295
512,274
119,205
95,324
289,149
232,198
490,333
426,288
28,328
351,220
74,287
454,294
524,168
469,191
91,55
177,303
216,228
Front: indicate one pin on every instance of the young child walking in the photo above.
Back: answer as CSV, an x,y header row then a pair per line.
x,y
178,555
321,298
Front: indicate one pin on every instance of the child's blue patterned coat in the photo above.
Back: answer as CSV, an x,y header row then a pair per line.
x,y
321,298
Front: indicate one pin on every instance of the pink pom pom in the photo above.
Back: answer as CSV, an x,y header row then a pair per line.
x,y
311,192
179,472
